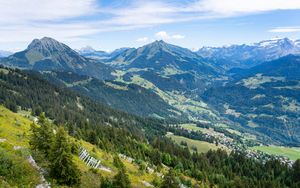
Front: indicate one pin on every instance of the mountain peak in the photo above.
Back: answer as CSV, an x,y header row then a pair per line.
x,y
47,54
158,45
87,49
275,42
42,41
159,42
47,45
4,53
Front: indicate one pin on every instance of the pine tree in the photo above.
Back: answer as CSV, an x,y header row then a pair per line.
x,y
118,163
42,136
121,180
296,171
170,181
62,167
106,183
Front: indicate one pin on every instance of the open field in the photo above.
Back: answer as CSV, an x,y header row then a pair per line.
x,y
202,146
193,127
291,153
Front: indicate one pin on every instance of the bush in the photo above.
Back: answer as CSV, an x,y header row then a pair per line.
x,y
16,170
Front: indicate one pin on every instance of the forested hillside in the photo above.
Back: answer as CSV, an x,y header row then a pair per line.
x,y
264,98
130,98
118,132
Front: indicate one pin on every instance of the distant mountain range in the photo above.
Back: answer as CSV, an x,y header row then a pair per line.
x,y
226,57
4,53
244,56
90,52
252,88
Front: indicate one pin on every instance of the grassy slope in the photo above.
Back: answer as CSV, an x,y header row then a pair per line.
x,y
193,127
291,153
135,175
12,129
202,146
15,129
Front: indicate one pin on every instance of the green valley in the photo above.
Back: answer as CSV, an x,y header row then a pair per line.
x,y
292,153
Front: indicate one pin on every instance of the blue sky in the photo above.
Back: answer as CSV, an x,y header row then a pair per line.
x,y
111,24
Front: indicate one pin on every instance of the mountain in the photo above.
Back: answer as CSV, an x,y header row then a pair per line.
x,y
244,56
65,67
288,67
5,53
89,52
264,98
161,61
118,51
47,54
174,73
160,55
164,80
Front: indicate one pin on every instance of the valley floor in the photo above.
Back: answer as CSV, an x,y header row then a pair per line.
x,y
292,153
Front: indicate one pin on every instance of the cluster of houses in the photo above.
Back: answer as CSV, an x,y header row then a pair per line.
x,y
232,145
238,147
264,157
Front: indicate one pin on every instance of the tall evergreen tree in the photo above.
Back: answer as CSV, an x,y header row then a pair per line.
x,y
118,163
170,181
121,179
42,136
296,171
106,183
62,167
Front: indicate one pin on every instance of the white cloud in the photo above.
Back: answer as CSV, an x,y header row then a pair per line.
x,y
142,39
177,36
165,36
25,33
237,7
285,30
23,20
162,35
22,11
143,13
